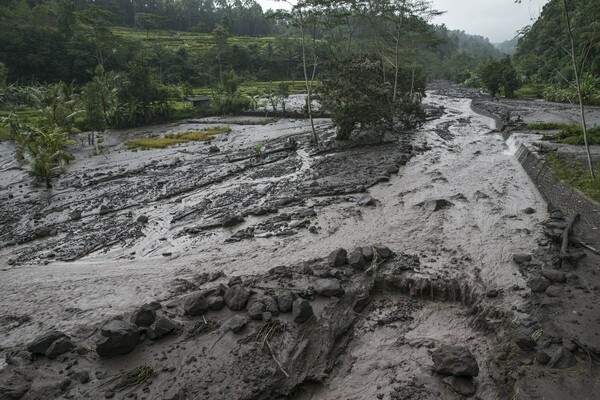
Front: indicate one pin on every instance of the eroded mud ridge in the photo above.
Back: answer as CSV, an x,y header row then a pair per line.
x,y
291,331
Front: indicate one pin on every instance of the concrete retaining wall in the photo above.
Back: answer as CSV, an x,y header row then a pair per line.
x,y
559,194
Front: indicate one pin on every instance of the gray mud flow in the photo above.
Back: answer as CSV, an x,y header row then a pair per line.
x,y
455,211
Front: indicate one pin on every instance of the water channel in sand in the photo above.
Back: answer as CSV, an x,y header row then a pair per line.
x,y
472,239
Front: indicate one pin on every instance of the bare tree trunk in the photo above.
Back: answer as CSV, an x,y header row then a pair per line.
x,y
579,94
306,81
397,67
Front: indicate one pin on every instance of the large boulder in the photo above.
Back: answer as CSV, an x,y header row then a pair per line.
x,y
356,259
538,285
162,327
255,309
383,251
117,337
329,287
215,303
59,346
42,343
271,305
144,316
302,310
285,301
195,305
454,361
236,297
337,258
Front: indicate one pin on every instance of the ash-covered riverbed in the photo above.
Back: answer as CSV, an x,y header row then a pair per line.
x,y
448,200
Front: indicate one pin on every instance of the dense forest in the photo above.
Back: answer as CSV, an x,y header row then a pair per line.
x,y
543,56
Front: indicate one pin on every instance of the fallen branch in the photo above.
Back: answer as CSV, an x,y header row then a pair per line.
x,y
585,245
277,361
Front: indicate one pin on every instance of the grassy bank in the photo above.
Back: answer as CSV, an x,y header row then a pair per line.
x,y
576,176
568,134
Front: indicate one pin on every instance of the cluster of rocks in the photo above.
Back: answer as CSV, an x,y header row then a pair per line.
x,y
555,352
459,366
283,224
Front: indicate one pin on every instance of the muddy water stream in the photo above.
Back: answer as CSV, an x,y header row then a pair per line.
x,y
481,188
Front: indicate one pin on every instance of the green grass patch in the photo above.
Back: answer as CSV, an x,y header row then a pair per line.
x,y
569,134
256,88
173,138
576,176
530,92
547,126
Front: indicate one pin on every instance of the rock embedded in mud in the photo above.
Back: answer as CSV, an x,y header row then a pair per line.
x,y
42,343
562,359
215,303
302,311
338,258
232,220
271,305
236,280
195,305
285,302
235,324
492,293
82,377
367,252
356,259
13,387
529,210
436,205
521,258
213,149
455,361
538,285
365,201
525,342
162,327
256,309
383,251
144,316
75,215
117,337
542,357
103,210
461,385
553,291
143,219
236,297
554,276
329,287
59,347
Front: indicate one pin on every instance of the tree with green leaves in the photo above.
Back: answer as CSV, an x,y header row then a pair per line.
x,y
353,91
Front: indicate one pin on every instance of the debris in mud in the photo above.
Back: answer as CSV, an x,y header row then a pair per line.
x,y
454,361
521,258
365,201
435,205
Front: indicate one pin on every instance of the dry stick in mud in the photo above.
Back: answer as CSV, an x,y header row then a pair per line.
x,y
564,248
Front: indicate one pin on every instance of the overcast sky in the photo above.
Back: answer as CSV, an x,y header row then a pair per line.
x,y
498,20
